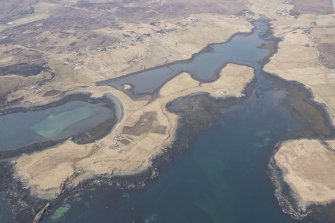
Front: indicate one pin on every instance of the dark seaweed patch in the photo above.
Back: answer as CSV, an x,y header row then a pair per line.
x,y
21,69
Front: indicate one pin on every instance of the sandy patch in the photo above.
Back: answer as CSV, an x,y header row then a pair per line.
x,y
309,168
145,130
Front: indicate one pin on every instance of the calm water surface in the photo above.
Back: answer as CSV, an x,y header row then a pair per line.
x,y
223,178
6,214
204,66
21,129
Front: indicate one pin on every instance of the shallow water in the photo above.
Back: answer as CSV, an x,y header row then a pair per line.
x,y
22,129
6,214
223,178
204,66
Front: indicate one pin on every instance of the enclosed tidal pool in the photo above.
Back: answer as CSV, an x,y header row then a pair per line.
x,y
223,175
74,116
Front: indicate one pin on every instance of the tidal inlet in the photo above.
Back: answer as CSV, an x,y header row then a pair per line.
x,y
167,111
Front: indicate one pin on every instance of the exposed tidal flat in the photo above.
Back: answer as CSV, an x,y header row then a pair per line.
x,y
223,177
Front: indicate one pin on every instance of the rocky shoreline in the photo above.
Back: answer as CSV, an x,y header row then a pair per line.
x,y
140,179
288,200
191,123
189,126
283,192
317,125
24,206
20,197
